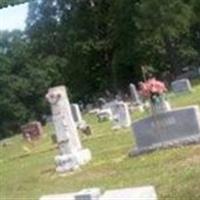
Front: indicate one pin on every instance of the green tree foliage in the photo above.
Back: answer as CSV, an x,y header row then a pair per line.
x,y
6,3
91,46
127,55
23,83
195,28
164,33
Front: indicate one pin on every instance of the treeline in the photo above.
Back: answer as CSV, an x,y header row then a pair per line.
x,y
6,3
91,46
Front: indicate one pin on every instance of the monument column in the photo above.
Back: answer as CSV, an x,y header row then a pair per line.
x,y
71,153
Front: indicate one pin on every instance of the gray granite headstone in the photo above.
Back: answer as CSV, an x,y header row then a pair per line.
x,y
182,85
173,128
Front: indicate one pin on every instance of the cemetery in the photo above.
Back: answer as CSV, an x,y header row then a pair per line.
x,y
99,100
30,171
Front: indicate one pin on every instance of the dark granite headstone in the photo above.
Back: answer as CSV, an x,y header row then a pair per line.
x,y
176,127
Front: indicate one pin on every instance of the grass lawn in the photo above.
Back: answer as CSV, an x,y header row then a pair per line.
x,y
175,173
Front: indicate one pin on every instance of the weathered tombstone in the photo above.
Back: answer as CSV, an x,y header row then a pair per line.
x,y
134,94
139,193
80,123
182,85
121,116
76,113
32,131
173,128
71,155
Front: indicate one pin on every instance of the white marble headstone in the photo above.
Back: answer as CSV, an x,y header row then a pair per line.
x,y
134,94
76,113
121,115
70,148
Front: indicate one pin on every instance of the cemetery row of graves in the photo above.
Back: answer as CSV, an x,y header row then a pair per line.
x,y
145,149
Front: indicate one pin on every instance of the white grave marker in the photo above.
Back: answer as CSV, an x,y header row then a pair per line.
x,y
121,116
71,155
76,113
134,94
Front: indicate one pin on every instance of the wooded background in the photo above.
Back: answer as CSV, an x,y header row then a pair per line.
x,y
91,46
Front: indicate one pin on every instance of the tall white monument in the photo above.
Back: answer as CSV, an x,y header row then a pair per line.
x,y
71,155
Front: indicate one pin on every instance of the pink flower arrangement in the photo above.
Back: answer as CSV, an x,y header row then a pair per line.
x,y
152,87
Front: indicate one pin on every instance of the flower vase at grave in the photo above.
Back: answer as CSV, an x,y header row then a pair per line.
x,y
159,104
153,91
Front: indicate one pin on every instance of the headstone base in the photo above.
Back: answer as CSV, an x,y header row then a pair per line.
x,y
176,143
71,162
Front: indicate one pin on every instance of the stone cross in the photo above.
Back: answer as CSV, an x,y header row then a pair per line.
x,y
71,154
134,94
